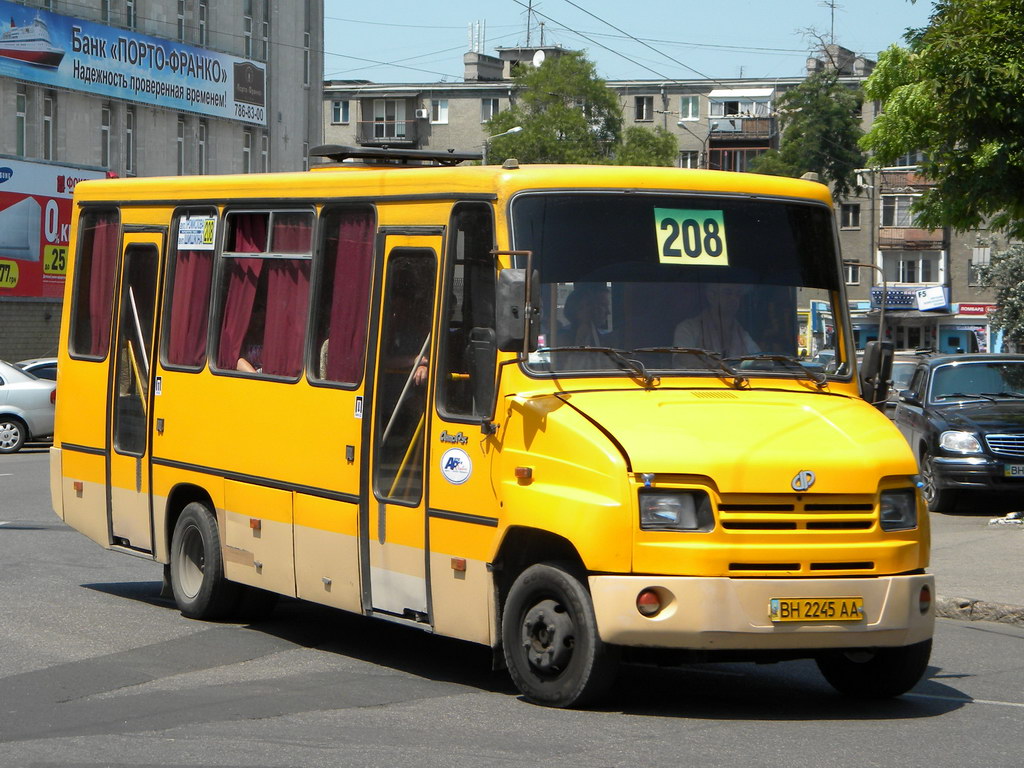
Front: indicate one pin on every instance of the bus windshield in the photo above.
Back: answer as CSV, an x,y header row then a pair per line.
x,y
682,282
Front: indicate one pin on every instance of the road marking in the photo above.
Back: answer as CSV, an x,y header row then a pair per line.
x,y
966,701
7,474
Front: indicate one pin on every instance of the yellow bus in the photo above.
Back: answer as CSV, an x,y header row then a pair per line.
x,y
558,411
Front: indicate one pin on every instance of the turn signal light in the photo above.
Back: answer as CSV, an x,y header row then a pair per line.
x,y
924,600
648,602
53,397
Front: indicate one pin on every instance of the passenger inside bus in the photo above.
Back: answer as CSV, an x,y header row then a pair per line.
x,y
720,323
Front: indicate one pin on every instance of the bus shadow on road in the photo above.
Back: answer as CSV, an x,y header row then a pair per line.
x,y
787,691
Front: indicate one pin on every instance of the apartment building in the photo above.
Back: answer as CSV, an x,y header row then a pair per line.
x,y
932,298
137,88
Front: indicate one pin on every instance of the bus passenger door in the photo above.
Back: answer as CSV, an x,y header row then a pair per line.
x,y
393,518
131,393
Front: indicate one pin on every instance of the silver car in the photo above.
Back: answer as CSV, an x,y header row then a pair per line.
x,y
26,408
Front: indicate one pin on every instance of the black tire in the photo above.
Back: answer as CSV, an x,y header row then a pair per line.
x,y
197,568
939,500
549,635
876,673
13,434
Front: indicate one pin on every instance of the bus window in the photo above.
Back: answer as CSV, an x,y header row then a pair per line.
x,y
99,234
466,370
265,292
343,295
401,404
191,281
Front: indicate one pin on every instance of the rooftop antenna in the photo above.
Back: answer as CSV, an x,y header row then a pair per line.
x,y
832,5
529,22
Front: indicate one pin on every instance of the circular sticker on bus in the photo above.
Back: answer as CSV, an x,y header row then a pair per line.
x,y
456,466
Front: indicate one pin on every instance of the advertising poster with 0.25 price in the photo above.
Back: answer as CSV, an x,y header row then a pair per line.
x,y
35,219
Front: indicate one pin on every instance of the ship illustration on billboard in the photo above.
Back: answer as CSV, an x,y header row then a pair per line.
x,y
30,43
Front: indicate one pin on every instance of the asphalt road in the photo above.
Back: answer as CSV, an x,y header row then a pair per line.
x,y
96,669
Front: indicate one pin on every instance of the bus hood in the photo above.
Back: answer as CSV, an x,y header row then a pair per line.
x,y
751,441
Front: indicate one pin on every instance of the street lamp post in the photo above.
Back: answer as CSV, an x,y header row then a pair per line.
x,y
488,140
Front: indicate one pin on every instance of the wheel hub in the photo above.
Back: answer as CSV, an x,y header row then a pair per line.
x,y
548,636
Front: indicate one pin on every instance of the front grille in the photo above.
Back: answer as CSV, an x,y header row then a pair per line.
x,y
796,512
1007,445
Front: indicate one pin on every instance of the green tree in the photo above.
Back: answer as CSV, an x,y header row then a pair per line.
x,y
567,113
954,93
1005,273
820,133
641,146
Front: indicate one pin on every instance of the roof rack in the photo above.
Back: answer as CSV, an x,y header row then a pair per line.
x,y
390,156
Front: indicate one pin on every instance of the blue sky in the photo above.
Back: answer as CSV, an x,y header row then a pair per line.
x,y
423,41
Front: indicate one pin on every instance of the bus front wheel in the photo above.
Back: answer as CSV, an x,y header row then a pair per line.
x,y
197,568
550,639
876,673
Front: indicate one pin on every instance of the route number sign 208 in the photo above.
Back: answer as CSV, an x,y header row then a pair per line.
x,y
691,237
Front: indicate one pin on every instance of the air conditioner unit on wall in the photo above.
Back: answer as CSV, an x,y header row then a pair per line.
x,y
422,114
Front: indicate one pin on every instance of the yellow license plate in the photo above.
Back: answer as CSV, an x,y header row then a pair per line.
x,y
816,608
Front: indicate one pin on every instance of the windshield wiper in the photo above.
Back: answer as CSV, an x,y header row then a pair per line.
x,y
739,380
820,379
1003,394
618,355
964,395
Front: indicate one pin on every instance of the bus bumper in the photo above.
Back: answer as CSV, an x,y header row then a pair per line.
x,y
734,614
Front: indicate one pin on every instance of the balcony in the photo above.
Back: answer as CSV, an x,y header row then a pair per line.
x,y
387,133
742,127
911,238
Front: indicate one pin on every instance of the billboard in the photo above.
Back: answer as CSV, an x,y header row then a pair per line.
x,y
65,52
35,216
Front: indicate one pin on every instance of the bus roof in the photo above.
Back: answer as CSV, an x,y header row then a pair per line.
x,y
332,182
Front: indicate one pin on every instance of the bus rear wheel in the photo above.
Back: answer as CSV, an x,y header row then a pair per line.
x,y
197,568
876,673
550,640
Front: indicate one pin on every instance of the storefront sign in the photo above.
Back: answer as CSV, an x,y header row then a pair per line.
x,y
976,309
65,52
35,216
931,298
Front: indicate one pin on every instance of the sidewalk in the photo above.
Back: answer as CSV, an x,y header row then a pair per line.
x,y
978,568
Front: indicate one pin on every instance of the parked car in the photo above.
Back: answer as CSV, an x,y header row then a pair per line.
x,y
963,416
26,408
43,367
903,366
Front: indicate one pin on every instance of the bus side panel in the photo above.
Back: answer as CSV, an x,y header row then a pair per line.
x,y
257,537
165,481
462,589
327,552
84,490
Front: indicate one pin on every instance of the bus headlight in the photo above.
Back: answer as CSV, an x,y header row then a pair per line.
x,y
959,442
898,510
676,511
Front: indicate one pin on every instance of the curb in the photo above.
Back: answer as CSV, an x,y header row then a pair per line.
x,y
968,609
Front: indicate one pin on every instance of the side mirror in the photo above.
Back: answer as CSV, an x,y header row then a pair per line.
x,y
908,396
515,313
876,371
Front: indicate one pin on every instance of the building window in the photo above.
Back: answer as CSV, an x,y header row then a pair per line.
x,y
689,158
130,19
247,29
488,109
339,112
105,11
388,119
980,257
105,136
129,141
911,158
896,211
49,114
305,58
439,111
20,120
181,19
911,266
644,108
203,14
849,216
852,274
265,39
689,108
201,147
181,146
247,150
264,152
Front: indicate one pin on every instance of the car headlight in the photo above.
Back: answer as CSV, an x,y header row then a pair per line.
x,y
959,442
677,511
898,510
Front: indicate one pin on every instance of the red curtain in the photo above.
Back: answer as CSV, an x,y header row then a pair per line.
x,y
99,292
249,236
287,304
350,297
193,273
